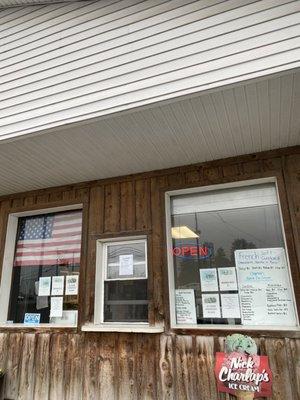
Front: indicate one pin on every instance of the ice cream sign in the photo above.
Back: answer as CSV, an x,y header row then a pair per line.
x,y
240,371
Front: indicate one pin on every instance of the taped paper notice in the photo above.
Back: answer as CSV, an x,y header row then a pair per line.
x,y
227,278
72,285
57,285
230,305
56,308
209,280
211,306
185,306
44,286
126,264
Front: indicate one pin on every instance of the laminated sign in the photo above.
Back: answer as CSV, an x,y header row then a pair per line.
x,y
240,371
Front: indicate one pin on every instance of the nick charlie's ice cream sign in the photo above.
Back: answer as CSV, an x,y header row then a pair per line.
x,y
240,371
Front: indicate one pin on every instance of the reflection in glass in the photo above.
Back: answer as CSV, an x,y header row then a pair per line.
x,y
47,245
217,234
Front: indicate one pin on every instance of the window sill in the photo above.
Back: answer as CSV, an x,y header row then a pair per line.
x,y
267,331
134,328
37,326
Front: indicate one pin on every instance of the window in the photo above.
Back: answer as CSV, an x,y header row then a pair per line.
x,y
121,291
228,263
41,267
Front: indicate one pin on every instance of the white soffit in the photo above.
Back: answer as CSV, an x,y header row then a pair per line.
x,y
261,115
73,61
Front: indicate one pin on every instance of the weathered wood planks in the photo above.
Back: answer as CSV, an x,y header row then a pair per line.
x,y
64,365
123,366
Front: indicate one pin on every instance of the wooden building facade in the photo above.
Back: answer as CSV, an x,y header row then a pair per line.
x,y
108,106
70,364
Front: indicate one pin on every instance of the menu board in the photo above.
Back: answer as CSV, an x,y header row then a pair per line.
x,y
185,306
264,287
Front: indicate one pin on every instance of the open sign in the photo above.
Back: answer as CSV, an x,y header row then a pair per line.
x,y
192,251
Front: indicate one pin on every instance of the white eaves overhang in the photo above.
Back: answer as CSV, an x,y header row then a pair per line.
x,y
251,117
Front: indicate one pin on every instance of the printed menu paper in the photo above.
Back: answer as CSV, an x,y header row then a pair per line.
x,y
56,308
227,278
44,286
57,285
126,264
264,287
209,281
72,285
185,306
211,306
230,305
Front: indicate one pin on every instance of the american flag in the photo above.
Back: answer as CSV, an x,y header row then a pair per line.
x,y
49,239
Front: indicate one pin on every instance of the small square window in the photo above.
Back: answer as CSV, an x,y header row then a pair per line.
x,y
122,275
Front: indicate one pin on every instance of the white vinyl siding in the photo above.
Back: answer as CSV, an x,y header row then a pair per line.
x,y
72,61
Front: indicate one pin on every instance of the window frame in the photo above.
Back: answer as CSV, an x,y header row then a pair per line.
x,y
8,259
101,273
170,261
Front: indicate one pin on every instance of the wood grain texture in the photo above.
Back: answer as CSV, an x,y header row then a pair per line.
x,y
45,364
132,366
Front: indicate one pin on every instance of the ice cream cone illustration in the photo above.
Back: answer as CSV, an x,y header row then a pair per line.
x,y
240,344
245,345
242,395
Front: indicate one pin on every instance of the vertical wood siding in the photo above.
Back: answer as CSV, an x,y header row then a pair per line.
x,y
131,366
72,365
67,62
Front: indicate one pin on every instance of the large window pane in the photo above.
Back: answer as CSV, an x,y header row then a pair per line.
x,y
210,285
47,246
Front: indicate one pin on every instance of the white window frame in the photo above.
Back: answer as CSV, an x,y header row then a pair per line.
x,y
171,282
101,267
8,259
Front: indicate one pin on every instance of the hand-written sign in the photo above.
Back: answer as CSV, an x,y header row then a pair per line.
x,y
185,306
245,376
264,287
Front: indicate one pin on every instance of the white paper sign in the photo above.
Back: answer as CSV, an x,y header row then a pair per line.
x,y
57,285
185,306
230,305
264,287
211,306
227,278
41,301
209,281
44,286
68,318
56,307
126,264
72,285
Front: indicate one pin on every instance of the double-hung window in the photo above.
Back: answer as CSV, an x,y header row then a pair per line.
x,y
40,275
227,256
122,282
